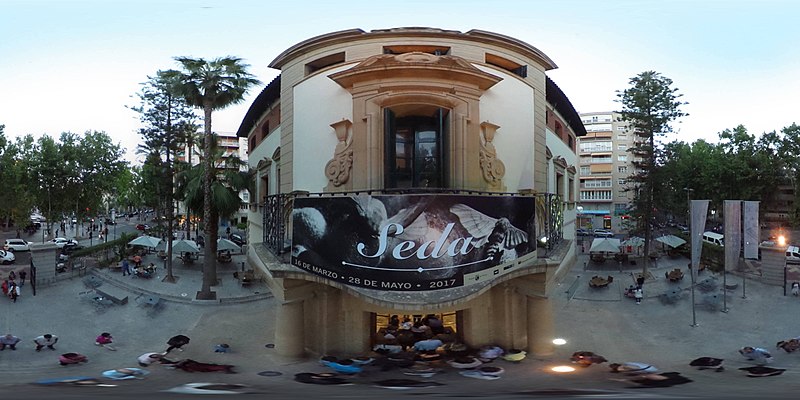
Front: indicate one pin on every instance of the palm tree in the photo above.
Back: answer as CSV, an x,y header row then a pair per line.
x,y
227,182
211,85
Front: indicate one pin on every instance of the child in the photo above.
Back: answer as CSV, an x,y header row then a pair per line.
x,y
104,340
796,289
637,294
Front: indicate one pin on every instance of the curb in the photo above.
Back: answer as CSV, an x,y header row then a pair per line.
x,y
179,299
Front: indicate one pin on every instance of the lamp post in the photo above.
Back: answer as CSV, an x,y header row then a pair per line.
x,y
692,268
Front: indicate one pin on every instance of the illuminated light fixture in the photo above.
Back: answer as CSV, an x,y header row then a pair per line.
x,y
781,241
559,342
562,368
543,239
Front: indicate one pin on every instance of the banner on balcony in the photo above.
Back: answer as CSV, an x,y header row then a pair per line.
x,y
413,242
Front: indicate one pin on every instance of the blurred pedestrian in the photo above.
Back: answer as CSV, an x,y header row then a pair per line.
x,y
104,340
148,358
176,342
126,268
8,340
22,276
757,354
47,339
638,295
13,292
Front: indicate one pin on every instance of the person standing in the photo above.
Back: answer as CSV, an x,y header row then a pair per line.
x,y
126,268
8,340
637,294
47,339
22,276
13,291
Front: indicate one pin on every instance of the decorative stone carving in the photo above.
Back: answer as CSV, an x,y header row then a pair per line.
x,y
492,167
337,170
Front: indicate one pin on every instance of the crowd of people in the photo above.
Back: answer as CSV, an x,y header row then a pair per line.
x,y
11,285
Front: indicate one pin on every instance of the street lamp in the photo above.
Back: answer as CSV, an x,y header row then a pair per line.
x,y
693,268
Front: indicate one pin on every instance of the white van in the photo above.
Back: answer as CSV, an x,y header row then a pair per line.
x,y
793,255
714,238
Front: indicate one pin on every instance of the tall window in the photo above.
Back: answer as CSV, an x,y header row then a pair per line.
x,y
416,148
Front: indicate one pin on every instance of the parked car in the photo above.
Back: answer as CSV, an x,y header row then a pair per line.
x,y
142,227
16,245
237,238
69,248
7,257
110,221
583,232
603,233
61,242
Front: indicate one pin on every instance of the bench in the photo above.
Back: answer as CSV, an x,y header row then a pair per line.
x,y
117,296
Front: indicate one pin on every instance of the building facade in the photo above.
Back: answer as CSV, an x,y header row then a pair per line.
x,y
408,172
605,167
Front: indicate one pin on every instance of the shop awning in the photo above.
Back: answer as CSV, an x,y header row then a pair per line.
x,y
671,240
605,245
596,212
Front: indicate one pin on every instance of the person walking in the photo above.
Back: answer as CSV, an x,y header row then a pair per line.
x,y
126,268
176,342
13,291
47,339
637,294
22,276
10,341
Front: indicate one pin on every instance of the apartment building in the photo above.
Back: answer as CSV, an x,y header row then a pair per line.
x,y
605,165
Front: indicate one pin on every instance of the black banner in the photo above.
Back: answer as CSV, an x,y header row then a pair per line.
x,y
412,242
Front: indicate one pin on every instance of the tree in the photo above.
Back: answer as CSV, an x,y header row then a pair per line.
x,y
211,85
167,119
229,180
649,106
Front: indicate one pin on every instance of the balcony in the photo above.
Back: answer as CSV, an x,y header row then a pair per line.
x,y
459,213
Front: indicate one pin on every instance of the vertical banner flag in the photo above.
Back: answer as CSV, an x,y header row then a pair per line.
x,y
751,230
733,233
698,226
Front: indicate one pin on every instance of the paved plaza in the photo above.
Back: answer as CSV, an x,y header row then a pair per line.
x,y
601,320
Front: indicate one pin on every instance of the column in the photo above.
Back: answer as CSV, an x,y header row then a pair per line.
x,y
289,333
540,326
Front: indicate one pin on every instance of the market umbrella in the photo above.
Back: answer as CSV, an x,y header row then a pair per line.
x,y
146,241
225,244
185,246
605,245
671,240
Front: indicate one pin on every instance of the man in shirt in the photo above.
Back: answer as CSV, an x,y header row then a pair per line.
x,y
45,340
10,341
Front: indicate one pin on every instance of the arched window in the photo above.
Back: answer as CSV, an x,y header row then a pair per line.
x,y
416,146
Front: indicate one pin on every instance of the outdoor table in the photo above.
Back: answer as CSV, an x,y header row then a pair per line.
x,y
674,275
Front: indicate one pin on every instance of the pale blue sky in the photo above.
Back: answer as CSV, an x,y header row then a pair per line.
x,y
73,65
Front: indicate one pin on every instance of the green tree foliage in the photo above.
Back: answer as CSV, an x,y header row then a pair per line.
x,y
15,199
649,105
73,174
167,120
211,85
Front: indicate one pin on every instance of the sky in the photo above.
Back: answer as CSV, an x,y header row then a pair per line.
x,y
76,65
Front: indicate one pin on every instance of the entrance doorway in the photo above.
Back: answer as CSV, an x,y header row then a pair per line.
x,y
383,325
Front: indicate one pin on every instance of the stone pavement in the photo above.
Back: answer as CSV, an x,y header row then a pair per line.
x,y
600,320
